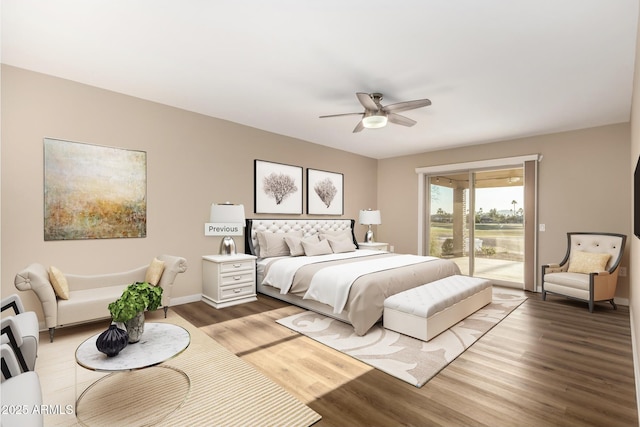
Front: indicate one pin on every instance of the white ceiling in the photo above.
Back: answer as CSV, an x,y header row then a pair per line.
x,y
493,69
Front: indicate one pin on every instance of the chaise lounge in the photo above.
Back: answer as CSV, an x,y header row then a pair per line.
x,y
88,296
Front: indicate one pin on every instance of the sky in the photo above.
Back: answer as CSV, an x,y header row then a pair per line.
x,y
498,198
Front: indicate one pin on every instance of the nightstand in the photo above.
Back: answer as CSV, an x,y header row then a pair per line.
x,y
228,279
375,246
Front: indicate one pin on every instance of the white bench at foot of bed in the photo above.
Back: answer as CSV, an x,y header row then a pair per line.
x,y
427,310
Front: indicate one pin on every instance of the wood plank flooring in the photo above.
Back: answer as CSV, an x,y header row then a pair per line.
x,y
549,363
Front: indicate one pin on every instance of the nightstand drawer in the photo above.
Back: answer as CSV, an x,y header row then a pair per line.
x,y
237,277
226,267
236,291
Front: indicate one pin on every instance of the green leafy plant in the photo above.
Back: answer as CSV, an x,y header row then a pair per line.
x,y
137,297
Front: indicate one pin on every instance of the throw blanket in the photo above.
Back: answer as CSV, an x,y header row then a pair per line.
x,y
281,272
331,285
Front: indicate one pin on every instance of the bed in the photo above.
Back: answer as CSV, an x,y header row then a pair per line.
x,y
344,281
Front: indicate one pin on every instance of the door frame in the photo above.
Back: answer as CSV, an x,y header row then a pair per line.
x,y
531,235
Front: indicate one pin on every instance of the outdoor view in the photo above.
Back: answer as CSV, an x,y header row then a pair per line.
x,y
497,251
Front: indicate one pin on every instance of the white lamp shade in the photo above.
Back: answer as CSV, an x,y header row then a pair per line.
x,y
227,213
369,217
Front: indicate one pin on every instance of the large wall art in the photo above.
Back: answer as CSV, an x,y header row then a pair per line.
x,y
277,188
325,192
93,192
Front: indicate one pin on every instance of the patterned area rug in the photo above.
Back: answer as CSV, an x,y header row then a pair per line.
x,y
404,357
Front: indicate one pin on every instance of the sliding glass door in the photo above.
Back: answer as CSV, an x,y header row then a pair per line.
x,y
476,218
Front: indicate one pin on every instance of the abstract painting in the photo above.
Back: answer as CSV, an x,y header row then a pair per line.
x,y
93,192
277,188
325,193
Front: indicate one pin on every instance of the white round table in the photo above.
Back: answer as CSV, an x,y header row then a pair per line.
x,y
159,343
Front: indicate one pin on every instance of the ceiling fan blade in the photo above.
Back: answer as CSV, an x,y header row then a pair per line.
x,y
358,127
407,105
366,101
400,120
339,115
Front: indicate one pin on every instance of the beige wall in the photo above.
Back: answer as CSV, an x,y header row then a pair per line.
x,y
583,180
192,160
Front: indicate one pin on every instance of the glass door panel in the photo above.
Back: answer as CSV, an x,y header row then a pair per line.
x,y
498,225
448,220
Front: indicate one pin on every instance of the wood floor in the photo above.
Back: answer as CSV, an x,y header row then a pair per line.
x,y
549,363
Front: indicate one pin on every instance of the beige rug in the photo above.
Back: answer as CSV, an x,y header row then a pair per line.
x,y
404,357
221,390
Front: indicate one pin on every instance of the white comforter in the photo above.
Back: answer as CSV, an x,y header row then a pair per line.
x,y
331,285
280,274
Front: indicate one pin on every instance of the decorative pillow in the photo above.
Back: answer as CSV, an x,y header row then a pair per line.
x,y
154,272
295,243
588,262
273,244
339,246
320,248
336,235
59,283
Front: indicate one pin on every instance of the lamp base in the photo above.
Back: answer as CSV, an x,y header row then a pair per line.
x,y
227,246
368,237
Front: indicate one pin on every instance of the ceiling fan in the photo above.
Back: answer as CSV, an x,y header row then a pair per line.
x,y
376,115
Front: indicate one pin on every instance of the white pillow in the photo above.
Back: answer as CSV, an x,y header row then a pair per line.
x,y
339,246
295,243
336,235
320,248
273,244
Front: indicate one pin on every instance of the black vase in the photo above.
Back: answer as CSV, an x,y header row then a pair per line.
x,y
112,341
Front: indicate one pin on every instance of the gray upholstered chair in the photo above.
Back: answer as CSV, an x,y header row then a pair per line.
x,y
589,270
22,326
21,391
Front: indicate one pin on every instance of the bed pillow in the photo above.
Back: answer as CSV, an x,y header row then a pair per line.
x,y
295,243
273,244
588,262
340,246
154,272
336,235
320,248
59,283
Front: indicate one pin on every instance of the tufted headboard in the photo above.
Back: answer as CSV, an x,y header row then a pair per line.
x,y
309,226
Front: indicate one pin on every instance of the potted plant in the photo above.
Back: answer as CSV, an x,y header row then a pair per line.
x,y
130,307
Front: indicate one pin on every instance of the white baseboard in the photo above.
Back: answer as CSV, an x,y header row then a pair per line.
x,y
185,300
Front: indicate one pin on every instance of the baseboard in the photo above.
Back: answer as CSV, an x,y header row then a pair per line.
x,y
185,300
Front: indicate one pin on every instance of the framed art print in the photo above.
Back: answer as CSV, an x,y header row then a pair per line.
x,y
325,193
277,188
93,192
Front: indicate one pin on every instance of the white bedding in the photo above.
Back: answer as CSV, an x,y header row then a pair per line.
x,y
281,272
331,285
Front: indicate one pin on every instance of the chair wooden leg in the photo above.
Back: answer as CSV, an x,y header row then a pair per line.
x,y
544,295
615,307
590,306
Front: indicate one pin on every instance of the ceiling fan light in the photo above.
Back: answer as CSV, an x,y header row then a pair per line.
x,y
375,121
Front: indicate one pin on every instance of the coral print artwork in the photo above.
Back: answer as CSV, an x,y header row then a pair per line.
x,y
324,192
278,188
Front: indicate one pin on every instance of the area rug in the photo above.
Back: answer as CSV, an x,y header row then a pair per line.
x,y
404,357
222,389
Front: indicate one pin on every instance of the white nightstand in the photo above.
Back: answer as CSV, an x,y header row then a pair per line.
x,y
376,246
228,279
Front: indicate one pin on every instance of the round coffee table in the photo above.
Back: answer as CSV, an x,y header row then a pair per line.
x,y
131,389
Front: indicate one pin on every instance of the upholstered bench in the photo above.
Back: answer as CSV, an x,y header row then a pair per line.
x,y
428,310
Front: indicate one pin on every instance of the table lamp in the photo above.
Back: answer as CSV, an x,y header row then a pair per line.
x,y
226,220
369,217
